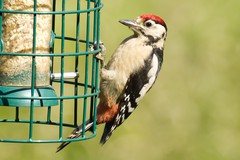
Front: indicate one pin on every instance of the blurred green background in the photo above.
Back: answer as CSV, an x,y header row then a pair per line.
x,y
192,112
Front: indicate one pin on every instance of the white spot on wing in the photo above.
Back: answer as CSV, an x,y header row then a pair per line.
x,y
152,77
130,108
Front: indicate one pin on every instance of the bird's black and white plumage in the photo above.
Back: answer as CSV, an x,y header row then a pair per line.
x,y
138,84
130,73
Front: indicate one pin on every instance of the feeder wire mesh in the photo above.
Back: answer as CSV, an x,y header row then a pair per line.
x,y
70,97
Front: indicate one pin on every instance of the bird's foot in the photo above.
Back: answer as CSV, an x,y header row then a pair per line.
x,y
100,55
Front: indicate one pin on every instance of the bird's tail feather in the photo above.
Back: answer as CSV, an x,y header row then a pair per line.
x,y
76,133
107,132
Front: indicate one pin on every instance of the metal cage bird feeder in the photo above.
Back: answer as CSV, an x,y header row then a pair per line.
x,y
48,73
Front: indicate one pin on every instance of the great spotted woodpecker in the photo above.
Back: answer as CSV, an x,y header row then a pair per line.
x,y
129,74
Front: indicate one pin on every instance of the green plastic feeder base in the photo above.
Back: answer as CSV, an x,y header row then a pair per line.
x,y
21,96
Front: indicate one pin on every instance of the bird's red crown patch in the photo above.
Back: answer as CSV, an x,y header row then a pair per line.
x,y
152,17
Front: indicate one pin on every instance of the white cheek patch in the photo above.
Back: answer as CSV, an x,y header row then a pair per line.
x,y
156,31
152,74
160,30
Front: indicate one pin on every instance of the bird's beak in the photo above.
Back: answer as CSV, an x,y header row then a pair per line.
x,y
131,24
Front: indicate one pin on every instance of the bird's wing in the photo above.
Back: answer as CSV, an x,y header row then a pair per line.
x,y
137,86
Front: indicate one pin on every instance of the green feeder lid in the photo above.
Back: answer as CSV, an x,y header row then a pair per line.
x,y
21,96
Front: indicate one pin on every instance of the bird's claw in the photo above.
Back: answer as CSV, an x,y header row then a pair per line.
x,y
100,55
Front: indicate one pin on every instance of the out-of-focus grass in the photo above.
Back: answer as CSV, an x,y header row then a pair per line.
x,y
193,111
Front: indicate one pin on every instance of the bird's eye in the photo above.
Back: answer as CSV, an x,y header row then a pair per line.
x,y
148,24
